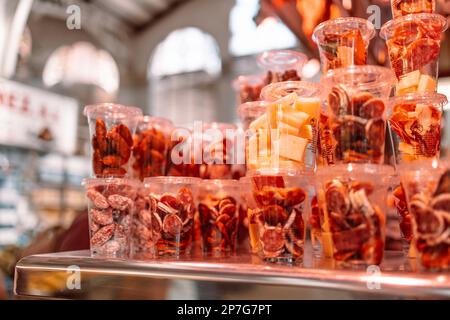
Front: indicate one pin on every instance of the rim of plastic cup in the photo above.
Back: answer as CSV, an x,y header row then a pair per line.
x,y
92,182
282,60
157,120
252,108
388,28
355,168
436,99
111,110
384,77
219,183
278,90
367,36
171,180
421,167
219,125
286,172
252,79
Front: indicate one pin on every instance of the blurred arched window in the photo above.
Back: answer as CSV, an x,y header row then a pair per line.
x,y
184,51
82,63
182,73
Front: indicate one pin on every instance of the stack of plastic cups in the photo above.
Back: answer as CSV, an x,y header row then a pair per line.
x,y
351,184
280,163
110,191
278,65
413,39
342,42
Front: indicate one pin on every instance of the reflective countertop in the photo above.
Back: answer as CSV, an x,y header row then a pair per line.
x,y
76,275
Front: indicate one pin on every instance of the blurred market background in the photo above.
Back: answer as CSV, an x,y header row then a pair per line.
x,y
172,58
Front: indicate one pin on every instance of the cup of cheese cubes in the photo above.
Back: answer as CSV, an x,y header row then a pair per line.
x,y
287,131
414,45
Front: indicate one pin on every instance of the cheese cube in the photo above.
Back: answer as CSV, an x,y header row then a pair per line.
x,y
306,132
287,129
258,123
426,84
309,105
295,119
252,149
408,82
292,147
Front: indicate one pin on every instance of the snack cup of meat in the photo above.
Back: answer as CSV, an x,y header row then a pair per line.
x,y
314,222
414,45
352,130
282,65
415,120
170,214
181,158
111,208
111,129
248,88
343,42
277,211
150,148
218,208
353,198
218,150
427,188
405,7
292,117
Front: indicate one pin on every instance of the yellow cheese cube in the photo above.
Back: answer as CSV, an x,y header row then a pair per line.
x,y
295,119
408,82
426,84
287,129
309,105
258,123
306,132
252,149
292,147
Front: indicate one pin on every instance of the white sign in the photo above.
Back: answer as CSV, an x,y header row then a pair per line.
x,y
37,119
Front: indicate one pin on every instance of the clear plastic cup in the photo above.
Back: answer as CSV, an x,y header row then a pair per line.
x,y
343,42
218,208
282,65
111,128
414,45
250,111
248,88
171,212
217,161
427,188
151,145
277,211
415,120
292,117
181,158
404,218
353,126
405,7
111,205
353,198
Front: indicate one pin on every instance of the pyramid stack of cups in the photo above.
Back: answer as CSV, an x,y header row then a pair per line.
x,y
348,207
413,39
281,138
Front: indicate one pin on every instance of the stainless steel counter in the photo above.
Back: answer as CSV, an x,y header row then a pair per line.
x,y
77,275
